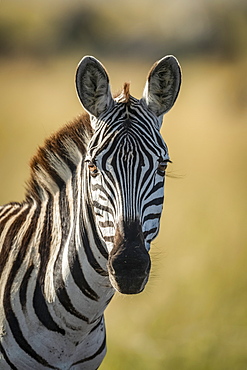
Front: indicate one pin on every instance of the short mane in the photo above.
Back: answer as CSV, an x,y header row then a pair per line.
x,y
124,96
54,162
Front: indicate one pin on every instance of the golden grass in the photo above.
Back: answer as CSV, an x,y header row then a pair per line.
x,y
192,315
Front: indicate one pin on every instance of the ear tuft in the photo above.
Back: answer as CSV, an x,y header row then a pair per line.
x,y
162,86
92,84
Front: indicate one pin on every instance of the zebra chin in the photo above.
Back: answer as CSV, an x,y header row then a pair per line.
x,y
129,262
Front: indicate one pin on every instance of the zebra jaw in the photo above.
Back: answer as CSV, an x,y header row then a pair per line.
x,y
129,262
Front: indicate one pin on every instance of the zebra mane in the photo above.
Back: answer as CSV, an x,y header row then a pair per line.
x,y
124,96
54,163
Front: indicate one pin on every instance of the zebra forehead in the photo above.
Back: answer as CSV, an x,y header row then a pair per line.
x,y
125,136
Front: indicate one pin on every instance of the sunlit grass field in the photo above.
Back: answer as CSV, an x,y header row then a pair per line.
x,y
193,312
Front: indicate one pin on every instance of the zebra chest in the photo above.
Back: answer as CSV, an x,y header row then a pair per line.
x,y
62,331
50,350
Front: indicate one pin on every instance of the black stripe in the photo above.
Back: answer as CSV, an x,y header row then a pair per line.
x,y
13,230
152,216
102,207
109,238
39,301
9,314
97,325
23,286
103,190
154,202
6,358
59,284
106,224
156,187
16,330
79,278
11,207
142,118
147,145
6,218
66,302
11,233
45,241
64,216
97,240
100,350
90,257
152,231
42,312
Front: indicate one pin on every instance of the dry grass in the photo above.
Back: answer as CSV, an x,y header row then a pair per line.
x,y
192,314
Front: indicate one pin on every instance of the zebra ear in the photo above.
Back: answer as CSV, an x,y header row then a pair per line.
x,y
92,84
162,86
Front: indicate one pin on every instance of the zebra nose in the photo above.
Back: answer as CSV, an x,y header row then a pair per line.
x,y
129,269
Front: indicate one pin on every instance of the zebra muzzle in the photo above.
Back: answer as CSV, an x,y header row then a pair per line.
x,y
129,262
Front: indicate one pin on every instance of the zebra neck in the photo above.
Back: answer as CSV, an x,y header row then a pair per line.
x,y
73,262
78,253
71,253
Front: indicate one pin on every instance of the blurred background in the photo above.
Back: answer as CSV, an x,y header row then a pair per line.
x,y
193,313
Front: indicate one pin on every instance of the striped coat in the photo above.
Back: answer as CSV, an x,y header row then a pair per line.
x,y
85,227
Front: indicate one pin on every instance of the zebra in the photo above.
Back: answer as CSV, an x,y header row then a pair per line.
x,y
92,207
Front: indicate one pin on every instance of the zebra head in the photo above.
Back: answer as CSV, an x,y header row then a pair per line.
x,y
125,165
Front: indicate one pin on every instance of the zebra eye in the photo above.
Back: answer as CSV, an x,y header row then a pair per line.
x,y
93,169
162,168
